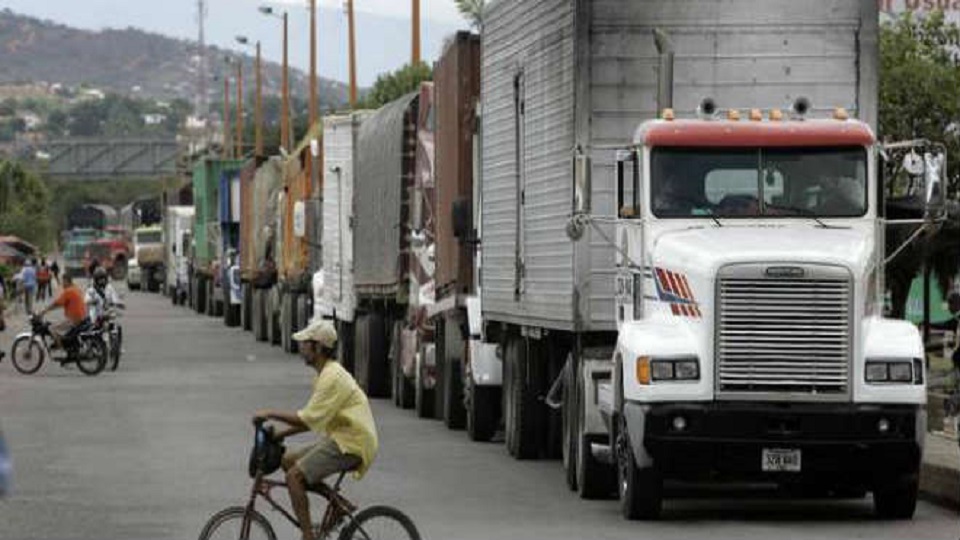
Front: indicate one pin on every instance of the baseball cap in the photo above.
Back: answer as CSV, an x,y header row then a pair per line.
x,y
321,330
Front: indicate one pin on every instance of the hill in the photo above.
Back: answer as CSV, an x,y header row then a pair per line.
x,y
127,62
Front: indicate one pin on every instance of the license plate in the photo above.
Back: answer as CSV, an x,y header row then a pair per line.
x,y
780,460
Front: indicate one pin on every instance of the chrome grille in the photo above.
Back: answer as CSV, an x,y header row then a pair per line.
x,y
783,336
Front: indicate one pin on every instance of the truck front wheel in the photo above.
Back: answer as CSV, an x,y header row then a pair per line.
x,y
897,500
641,489
519,401
483,411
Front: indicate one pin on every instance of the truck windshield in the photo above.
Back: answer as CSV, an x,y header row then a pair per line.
x,y
767,182
153,237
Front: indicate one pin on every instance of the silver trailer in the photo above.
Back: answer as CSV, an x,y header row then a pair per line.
x,y
565,85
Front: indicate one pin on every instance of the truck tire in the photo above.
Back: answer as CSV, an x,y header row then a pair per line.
x,y
246,308
519,401
259,315
286,321
345,346
640,489
482,411
897,500
595,480
371,355
423,400
272,308
213,298
201,295
231,314
454,413
570,430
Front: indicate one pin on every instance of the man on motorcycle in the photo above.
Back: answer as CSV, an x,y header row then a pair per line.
x,y
74,309
101,296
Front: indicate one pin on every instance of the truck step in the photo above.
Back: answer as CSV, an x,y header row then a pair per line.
x,y
602,453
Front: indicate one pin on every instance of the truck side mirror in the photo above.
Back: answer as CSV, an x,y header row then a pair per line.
x,y
462,215
934,171
625,158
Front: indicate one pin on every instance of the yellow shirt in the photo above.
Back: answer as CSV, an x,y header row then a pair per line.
x,y
339,409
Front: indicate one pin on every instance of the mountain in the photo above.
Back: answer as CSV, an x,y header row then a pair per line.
x,y
129,62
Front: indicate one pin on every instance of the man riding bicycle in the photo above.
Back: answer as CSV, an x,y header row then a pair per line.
x,y
101,296
338,412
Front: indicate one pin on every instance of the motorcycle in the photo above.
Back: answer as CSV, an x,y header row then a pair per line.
x,y
83,346
109,324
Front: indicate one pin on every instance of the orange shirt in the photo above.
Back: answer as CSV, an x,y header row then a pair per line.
x,y
73,304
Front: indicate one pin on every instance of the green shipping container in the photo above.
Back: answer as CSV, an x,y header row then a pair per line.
x,y
206,202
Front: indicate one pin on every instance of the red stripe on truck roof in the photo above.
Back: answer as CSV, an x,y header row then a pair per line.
x,y
745,133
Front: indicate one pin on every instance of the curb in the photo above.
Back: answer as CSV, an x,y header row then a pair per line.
x,y
940,485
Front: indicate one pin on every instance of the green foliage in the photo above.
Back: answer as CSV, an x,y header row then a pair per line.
x,y
472,10
24,202
919,78
391,86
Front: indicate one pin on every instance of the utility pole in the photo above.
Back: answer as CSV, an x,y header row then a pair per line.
x,y
313,63
226,115
352,44
285,115
200,104
239,142
415,53
259,112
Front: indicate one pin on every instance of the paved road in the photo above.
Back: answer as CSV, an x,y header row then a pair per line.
x,y
151,451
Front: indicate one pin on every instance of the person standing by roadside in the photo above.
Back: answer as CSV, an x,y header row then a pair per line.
x,y
43,281
55,271
28,278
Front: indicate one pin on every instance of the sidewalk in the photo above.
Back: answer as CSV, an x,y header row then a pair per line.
x,y
940,473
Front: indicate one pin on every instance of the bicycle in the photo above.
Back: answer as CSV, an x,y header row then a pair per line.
x,y
264,460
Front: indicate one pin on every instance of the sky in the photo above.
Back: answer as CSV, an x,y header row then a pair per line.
x,y
382,26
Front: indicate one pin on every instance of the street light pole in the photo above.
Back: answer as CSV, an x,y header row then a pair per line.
x,y
285,134
226,115
313,63
239,144
352,44
415,32
258,118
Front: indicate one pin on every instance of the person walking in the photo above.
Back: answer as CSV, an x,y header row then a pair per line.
x,y
28,279
43,281
55,271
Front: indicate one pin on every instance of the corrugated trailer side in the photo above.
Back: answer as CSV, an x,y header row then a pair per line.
x,y
457,85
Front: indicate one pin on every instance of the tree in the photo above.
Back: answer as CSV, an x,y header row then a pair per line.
x,y
24,205
391,86
919,77
472,10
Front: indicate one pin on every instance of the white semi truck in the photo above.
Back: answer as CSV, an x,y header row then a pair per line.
x,y
703,288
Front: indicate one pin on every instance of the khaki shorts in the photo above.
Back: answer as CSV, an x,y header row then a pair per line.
x,y
322,459
62,328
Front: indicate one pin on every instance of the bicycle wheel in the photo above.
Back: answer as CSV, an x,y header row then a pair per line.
x,y
27,355
380,523
94,359
228,523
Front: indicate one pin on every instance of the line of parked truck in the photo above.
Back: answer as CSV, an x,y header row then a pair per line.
x,y
559,238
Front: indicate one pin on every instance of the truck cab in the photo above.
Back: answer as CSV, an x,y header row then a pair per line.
x,y
751,344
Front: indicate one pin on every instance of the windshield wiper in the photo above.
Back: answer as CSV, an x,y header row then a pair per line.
x,y
806,213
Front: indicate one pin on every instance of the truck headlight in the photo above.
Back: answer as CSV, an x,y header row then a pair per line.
x,y
898,371
674,369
